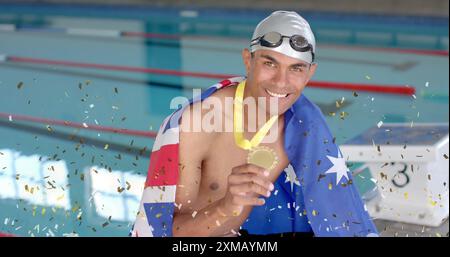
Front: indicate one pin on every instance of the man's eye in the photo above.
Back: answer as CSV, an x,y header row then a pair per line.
x,y
269,64
298,69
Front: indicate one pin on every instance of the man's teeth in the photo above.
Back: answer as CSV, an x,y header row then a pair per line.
x,y
275,94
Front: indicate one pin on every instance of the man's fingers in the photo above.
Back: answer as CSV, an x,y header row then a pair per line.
x,y
236,179
249,188
243,201
250,168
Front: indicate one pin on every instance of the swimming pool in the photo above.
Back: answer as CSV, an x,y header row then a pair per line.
x,y
62,180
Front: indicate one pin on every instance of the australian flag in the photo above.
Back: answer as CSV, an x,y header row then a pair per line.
x,y
315,193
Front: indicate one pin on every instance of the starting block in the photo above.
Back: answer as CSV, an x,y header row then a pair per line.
x,y
402,171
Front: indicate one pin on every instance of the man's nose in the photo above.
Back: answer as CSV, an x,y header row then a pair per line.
x,y
281,79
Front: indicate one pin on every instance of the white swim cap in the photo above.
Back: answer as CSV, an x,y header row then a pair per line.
x,y
286,24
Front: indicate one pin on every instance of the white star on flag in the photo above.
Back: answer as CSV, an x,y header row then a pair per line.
x,y
338,167
291,177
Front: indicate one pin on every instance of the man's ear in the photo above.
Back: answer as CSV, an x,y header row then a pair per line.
x,y
311,72
246,58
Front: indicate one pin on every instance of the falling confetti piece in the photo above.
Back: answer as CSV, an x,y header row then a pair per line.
x,y
106,147
342,115
368,77
355,94
91,106
194,214
427,84
379,124
59,198
10,118
406,195
433,203
445,156
20,85
116,90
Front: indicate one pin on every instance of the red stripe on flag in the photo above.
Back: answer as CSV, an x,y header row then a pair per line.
x,y
163,169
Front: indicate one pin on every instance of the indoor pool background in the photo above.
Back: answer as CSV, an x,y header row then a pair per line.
x,y
90,182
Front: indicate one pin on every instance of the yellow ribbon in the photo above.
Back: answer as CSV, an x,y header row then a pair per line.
x,y
238,127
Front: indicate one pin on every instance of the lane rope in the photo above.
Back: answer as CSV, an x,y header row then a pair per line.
x,y
383,89
12,117
118,33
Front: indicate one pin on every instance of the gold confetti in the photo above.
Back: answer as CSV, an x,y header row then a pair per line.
x,y
432,203
158,215
120,189
343,115
332,113
49,128
330,186
116,90
59,198
406,195
106,147
128,185
20,85
43,211
338,105
355,94
368,77
314,213
445,156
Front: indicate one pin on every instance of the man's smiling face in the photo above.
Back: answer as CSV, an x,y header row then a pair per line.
x,y
272,74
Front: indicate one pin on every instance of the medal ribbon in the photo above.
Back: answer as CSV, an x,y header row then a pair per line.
x,y
238,127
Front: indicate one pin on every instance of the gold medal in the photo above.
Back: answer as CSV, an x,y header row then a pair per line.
x,y
263,156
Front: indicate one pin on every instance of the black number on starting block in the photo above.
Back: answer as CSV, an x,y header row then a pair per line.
x,y
401,173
